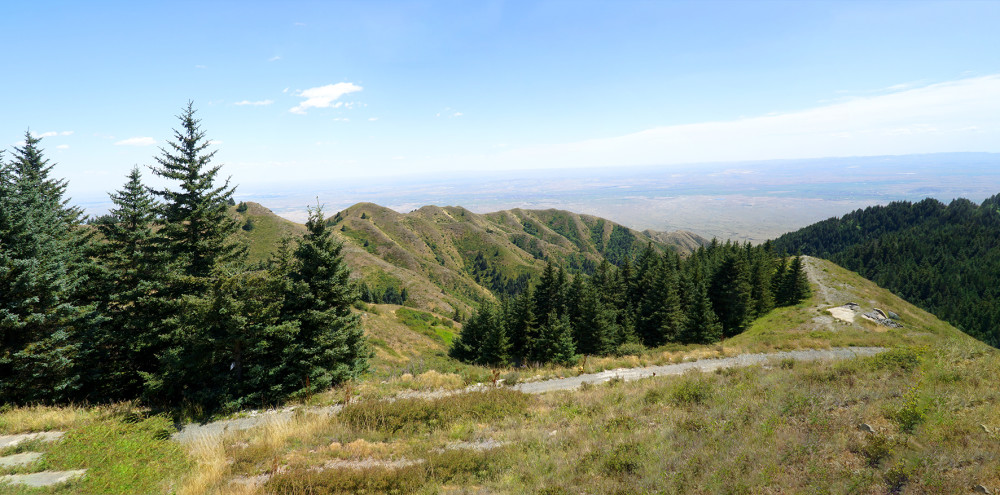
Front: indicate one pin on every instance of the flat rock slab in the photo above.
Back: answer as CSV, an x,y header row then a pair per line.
x,y
45,436
19,459
44,478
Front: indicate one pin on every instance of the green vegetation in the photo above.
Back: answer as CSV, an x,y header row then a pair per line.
x,y
716,292
425,323
122,448
943,258
162,305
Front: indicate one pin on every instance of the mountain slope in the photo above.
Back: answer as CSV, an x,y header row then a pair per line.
x,y
449,258
944,258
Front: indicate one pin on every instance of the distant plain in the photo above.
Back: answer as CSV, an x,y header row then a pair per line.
x,y
752,201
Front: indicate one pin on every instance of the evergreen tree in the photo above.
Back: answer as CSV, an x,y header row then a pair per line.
x,y
659,317
42,268
330,347
731,294
494,349
555,341
197,228
702,326
131,270
797,282
521,326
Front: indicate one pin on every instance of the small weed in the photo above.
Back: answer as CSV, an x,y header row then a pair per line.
x,y
620,423
786,364
912,413
896,478
630,349
876,449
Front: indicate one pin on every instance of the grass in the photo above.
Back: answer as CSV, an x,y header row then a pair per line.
x,y
122,450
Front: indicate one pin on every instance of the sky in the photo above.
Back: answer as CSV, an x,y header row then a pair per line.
x,y
316,92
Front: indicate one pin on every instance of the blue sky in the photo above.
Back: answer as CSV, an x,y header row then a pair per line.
x,y
316,92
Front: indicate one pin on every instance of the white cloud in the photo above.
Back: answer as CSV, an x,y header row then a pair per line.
x,y
962,115
372,119
51,133
285,90
201,66
62,147
214,142
457,114
257,103
324,96
274,58
341,119
136,141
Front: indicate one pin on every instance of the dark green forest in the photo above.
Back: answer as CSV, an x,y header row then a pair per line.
x,y
659,299
156,300
943,258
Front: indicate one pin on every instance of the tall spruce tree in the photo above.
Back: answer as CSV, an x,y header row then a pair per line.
x,y
131,269
330,347
197,229
731,294
42,268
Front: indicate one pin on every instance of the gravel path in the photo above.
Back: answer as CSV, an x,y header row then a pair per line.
x,y
629,374
192,431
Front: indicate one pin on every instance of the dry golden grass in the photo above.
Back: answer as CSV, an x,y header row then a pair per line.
x,y
44,418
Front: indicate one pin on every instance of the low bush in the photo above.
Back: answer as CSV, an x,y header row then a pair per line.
x,y
691,391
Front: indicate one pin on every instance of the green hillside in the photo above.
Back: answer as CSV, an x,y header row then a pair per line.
x,y
944,258
449,258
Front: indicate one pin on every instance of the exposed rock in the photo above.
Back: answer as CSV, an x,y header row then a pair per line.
x,y
13,440
879,318
892,315
867,428
986,429
881,313
44,478
981,489
19,459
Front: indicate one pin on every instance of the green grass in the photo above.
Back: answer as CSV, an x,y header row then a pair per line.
x,y
122,453
427,324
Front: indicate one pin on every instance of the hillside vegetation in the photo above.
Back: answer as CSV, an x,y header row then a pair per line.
x,y
920,418
448,258
944,258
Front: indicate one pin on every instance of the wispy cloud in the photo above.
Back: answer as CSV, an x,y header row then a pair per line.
x,y
51,134
136,141
274,58
257,103
372,119
324,96
962,115
62,147
449,113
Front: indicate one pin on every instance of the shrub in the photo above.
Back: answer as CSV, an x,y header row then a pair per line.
x,y
623,459
419,414
876,449
630,349
902,359
691,391
912,413
373,480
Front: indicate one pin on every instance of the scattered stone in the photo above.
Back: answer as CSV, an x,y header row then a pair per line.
x,y
867,428
370,463
879,318
45,436
892,315
986,429
843,313
982,489
853,306
19,459
478,445
881,313
44,478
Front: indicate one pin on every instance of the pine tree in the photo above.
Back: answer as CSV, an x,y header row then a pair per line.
x,y
731,294
42,268
555,341
197,228
330,347
797,282
522,329
702,326
132,270
494,348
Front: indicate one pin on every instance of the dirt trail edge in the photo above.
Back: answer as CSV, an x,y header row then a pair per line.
x,y
193,431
